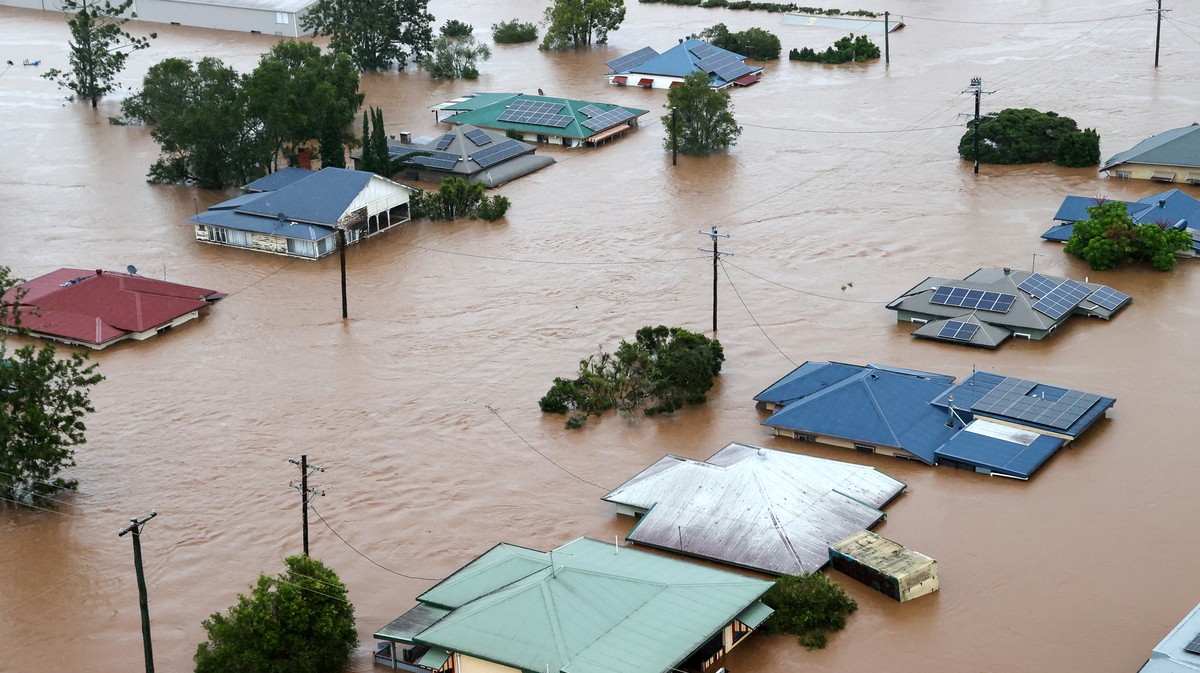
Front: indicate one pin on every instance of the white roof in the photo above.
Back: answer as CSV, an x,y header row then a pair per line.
x,y
290,6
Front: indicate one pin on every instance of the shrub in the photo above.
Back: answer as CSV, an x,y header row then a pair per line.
x,y
808,606
1027,136
513,32
454,199
755,43
1109,237
492,209
456,28
858,49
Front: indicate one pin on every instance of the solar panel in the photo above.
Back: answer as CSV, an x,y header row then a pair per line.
x,y
478,137
733,71
632,60
608,119
704,50
717,61
444,141
1011,398
490,156
960,331
1062,299
591,110
1038,285
1193,646
534,117
443,161
540,106
950,295
1108,298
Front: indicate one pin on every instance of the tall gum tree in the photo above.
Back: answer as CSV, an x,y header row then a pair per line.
x,y
573,24
376,34
99,46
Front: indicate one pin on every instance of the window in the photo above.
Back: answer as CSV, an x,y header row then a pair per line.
x,y
297,246
864,448
281,18
1123,174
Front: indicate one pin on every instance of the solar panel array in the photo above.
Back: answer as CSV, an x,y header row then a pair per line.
x,y
444,141
632,60
608,119
950,295
1193,646
591,110
724,64
1038,285
704,50
1108,298
538,106
1062,299
535,116
443,161
1011,398
960,331
490,156
478,137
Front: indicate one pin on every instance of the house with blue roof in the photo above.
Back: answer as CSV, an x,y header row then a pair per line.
x,y
299,213
651,70
1172,209
988,423
1170,156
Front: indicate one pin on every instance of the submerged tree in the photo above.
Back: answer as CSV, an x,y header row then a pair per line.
x,y
1026,136
455,57
808,606
514,32
572,24
755,43
375,33
297,622
703,122
99,47
43,403
1109,237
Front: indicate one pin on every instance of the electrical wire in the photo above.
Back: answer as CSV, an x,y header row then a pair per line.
x,y
544,261
806,292
46,590
827,131
548,458
309,589
1172,22
751,314
25,504
906,17
373,561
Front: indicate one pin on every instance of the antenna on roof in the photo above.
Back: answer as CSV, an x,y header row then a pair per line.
x,y
131,269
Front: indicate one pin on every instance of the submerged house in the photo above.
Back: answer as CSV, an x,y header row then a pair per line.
x,y
545,119
990,305
299,213
1171,156
586,607
1172,209
651,70
1179,652
988,423
751,507
473,154
99,308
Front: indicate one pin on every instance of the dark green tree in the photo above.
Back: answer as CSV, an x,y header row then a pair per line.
x,y
571,24
99,46
1109,237
299,95
43,403
203,123
376,156
1026,136
755,43
513,32
455,57
457,198
704,118
456,28
297,622
660,371
808,606
857,49
375,33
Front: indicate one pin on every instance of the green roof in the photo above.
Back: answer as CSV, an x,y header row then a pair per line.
x,y
598,609
1177,147
484,109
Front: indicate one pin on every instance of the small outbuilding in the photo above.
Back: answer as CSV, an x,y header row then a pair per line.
x,y
649,69
1171,156
99,308
465,151
887,567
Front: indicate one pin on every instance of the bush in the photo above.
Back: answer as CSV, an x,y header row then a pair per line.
x,y
456,28
755,43
663,369
514,32
454,199
808,606
514,134
1027,136
858,49
1076,150
765,6
492,209
1109,238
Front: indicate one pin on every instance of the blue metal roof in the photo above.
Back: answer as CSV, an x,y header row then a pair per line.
x,y
236,201
679,61
805,380
1074,208
261,225
321,198
1059,233
979,384
1009,458
279,179
1171,207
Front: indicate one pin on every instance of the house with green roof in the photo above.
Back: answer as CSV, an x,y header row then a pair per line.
x,y
545,119
1170,156
586,607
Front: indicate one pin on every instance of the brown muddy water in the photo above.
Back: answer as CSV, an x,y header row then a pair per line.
x,y
843,176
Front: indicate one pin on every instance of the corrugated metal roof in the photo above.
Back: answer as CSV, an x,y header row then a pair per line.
x,y
279,179
320,198
753,507
986,335
1000,455
231,219
1171,207
882,554
755,615
486,115
599,609
500,566
1177,147
406,627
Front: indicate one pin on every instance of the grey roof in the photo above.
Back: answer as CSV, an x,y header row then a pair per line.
x,y
986,335
1020,318
405,627
319,198
1177,147
492,176
290,6
752,507
1169,656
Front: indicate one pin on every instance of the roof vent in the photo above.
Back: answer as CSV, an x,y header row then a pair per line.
x,y
874,376
681,40
762,453
1162,203
99,272
1007,270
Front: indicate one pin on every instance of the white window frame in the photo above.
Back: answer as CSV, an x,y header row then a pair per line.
x,y
281,18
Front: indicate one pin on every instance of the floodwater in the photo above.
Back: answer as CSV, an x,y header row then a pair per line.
x,y
843,191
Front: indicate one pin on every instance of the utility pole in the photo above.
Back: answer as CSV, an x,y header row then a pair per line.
x,y
887,57
716,258
305,470
342,253
976,88
135,527
674,136
1157,29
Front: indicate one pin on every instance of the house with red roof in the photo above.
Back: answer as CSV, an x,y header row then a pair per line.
x,y
100,308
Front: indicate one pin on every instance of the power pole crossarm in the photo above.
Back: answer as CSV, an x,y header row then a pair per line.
x,y
135,527
305,491
716,258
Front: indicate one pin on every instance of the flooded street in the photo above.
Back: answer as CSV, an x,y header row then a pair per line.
x,y
423,405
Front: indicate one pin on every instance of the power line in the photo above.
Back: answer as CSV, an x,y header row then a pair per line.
x,y
25,504
751,314
811,294
1173,22
309,589
373,561
543,261
1019,23
46,590
834,132
548,458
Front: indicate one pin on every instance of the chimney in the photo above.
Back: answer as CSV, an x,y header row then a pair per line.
x,y
406,137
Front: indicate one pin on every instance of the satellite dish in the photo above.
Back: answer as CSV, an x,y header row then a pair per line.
x,y
131,269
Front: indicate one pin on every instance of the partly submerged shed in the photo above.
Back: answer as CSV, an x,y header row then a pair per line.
x,y
887,567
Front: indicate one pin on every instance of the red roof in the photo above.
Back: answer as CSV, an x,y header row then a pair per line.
x,y
96,307
620,79
747,80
